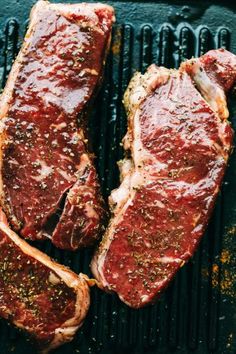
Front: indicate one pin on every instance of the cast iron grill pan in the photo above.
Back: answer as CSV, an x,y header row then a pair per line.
x,y
197,313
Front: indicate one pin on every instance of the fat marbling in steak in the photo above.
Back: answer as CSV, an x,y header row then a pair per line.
x,y
37,294
179,141
48,186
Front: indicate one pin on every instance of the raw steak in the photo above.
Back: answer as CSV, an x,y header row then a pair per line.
x,y
49,186
179,140
38,295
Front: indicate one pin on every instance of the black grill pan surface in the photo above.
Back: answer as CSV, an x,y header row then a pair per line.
x,y
197,313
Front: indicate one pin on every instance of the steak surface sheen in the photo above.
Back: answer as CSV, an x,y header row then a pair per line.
x,y
38,295
179,140
49,186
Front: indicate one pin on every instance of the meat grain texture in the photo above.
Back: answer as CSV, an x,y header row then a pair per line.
x,y
179,140
48,184
38,295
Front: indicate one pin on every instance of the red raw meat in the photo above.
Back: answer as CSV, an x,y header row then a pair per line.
x,y
49,187
179,140
37,294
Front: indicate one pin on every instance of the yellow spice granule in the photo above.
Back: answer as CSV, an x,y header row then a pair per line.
x,y
228,281
215,275
225,256
231,231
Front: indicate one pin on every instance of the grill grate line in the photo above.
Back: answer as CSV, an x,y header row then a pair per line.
x,y
125,76
223,38
114,318
146,48
165,44
102,113
183,304
94,313
186,40
173,314
5,332
205,285
123,324
10,49
142,332
162,321
102,321
133,320
193,312
203,41
111,170
214,295
153,325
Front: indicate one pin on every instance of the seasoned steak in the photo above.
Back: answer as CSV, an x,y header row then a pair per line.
x,y
49,187
179,141
38,295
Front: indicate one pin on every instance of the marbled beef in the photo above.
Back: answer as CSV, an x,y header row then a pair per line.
x,y
37,294
179,141
48,186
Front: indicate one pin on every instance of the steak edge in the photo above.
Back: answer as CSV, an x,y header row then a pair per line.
x,y
49,187
179,140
